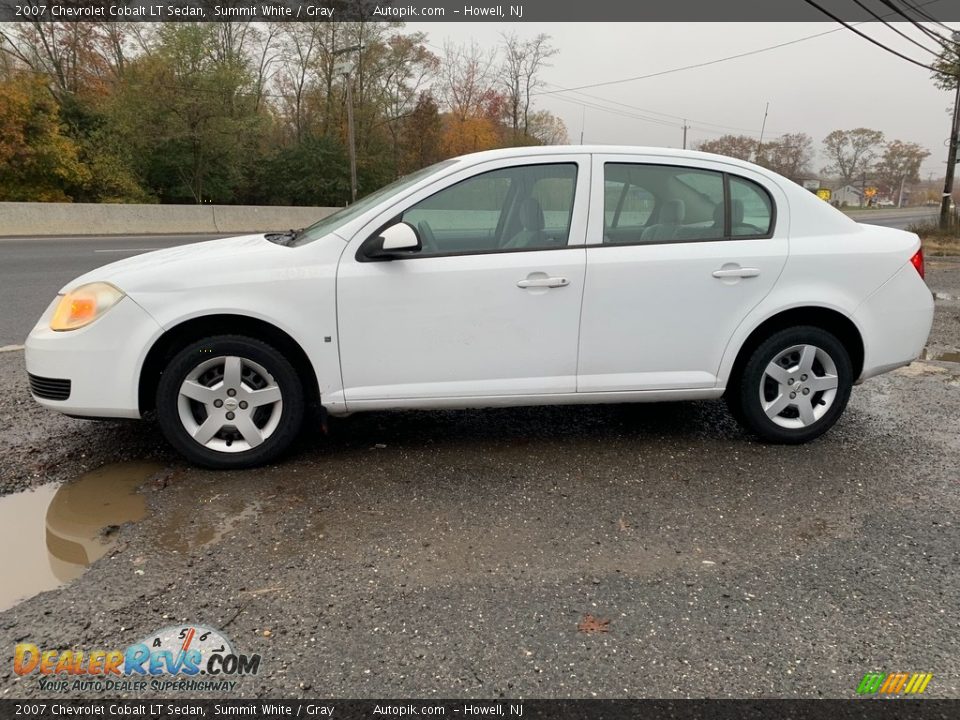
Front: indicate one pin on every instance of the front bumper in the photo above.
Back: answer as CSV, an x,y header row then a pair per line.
x,y
101,361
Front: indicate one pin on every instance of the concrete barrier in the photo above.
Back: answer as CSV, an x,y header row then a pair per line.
x,y
28,219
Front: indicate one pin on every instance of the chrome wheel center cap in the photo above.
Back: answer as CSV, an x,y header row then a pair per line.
x,y
231,403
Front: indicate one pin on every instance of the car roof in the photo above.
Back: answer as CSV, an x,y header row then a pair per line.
x,y
546,150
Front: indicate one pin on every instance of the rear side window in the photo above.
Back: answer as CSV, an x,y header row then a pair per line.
x,y
751,211
663,204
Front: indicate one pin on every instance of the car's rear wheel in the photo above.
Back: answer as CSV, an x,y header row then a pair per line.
x,y
793,387
230,402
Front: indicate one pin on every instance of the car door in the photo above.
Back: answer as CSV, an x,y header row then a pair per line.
x,y
489,307
678,253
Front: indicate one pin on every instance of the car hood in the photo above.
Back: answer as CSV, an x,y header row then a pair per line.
x,y
192,266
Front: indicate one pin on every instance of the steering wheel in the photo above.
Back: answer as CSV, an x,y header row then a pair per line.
x,y
427,239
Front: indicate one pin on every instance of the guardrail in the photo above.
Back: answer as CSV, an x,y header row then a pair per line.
x,y
39,219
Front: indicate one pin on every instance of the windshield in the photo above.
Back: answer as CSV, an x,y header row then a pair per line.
x,y
330,223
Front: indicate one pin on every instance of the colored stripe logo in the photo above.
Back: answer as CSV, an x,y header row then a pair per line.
x,y
894,683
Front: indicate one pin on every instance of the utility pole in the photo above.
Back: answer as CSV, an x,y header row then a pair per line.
x,y
952,155
345,69
763,128
351,142
685,128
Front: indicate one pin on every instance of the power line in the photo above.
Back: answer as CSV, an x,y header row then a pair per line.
x,y
707,63
657,112
945,43
896,30
876,42
922,13
690,67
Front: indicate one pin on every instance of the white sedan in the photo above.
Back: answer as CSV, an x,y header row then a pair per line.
x,y
528,276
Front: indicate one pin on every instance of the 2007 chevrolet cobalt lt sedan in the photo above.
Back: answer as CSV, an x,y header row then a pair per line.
x,y
512,277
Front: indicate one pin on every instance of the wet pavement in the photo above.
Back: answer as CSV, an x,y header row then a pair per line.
x,y
454,554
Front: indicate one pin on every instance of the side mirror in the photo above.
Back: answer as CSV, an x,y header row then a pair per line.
x,y
393,242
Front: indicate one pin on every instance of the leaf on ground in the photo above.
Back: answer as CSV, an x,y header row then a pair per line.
x,y
590,624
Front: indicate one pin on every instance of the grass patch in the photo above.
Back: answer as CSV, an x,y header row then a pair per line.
x,y
937,241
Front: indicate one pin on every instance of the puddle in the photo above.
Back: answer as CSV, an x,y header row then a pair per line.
x,y
942,357
192,528
53,533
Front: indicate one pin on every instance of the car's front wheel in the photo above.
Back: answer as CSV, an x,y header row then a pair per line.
x,y
794,386
230,402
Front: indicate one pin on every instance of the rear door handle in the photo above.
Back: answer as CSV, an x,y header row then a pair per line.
x,y
543,282
739,272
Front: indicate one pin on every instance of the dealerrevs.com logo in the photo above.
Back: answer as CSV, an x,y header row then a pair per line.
x,y
895,683
179,658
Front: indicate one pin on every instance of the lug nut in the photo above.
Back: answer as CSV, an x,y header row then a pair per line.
x,y
230,416
806,391
243,404
803,377
231,392
793,395
791,381
218,403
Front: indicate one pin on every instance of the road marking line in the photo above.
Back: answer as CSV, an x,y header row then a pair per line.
x,y
126,250
11,348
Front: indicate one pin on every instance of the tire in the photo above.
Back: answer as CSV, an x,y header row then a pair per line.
x,y
230,402
793,387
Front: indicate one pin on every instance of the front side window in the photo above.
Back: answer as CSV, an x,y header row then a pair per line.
x,y
527,207
341,217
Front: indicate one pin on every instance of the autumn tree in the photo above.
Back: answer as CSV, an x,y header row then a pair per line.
x,y
790,155
900,165
37,161
851,152
735,146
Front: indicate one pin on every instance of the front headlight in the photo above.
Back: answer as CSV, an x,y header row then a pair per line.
x,y
82,305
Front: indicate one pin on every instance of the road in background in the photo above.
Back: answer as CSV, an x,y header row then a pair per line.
x,y
34,269
895,218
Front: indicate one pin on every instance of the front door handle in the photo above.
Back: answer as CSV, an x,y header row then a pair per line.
x,y
543,282
737,272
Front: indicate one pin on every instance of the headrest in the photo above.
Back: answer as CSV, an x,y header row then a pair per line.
x,y
736,212
673,212
531,214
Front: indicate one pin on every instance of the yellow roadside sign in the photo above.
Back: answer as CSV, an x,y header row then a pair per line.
x,y
824,194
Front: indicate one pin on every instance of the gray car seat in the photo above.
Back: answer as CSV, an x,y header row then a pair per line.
x,y
671,218
531,219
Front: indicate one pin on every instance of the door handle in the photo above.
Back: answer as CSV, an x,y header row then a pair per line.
x,y
738,272
543,282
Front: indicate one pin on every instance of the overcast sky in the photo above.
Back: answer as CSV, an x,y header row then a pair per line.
x,y
815,86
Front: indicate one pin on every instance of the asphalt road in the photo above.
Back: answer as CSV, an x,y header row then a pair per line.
x,y
32,270
457,554
896,218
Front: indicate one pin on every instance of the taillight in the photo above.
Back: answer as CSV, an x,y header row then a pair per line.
x,y
917,261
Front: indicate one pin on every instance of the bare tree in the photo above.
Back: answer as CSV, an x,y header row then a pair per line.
x,y
465,79
522,63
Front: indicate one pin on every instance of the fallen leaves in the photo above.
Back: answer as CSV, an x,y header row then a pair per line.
x,y
590,624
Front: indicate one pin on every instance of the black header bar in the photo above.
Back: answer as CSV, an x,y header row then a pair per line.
x,y
533,11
